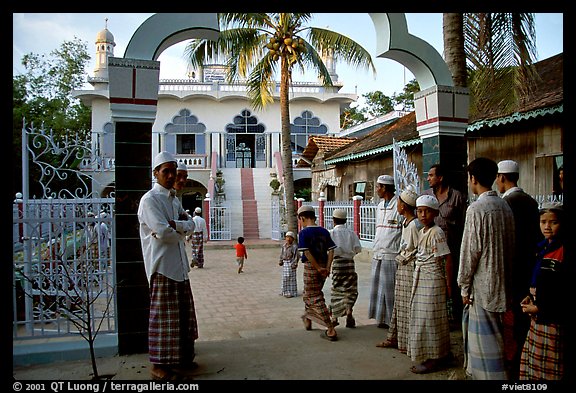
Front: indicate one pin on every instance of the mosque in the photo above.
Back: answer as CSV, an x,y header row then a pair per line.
x,y
210,126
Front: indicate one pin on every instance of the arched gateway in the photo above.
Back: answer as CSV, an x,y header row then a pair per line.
x,y
441,115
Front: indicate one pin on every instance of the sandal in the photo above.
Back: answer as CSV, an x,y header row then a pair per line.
x,y
307,323
163,375
425,367
388,344
325,336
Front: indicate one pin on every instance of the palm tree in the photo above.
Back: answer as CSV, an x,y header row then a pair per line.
x,y
256,44
499,49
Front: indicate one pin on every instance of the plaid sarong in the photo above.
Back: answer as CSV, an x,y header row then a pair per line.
x,y
197,246
289,279
315,307
344,287
400,322
543,354
484,357
381,302
172,326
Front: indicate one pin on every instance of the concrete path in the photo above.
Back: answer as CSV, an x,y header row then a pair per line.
x,y
248,332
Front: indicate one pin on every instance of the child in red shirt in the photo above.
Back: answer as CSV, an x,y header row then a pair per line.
x,y
240,254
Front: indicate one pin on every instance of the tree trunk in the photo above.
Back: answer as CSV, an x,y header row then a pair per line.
x,y
454,55
286,146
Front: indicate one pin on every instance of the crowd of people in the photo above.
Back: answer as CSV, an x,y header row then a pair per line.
x,y
494,269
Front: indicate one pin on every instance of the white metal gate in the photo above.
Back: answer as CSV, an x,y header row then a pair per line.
x,y
220,222
63,250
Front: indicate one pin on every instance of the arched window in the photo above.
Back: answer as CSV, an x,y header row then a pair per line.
x,y
304,126
187,134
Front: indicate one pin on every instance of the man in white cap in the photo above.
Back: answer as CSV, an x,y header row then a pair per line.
x,y
198,238
344,277
181,177
527,224
172,327
484,275
385,248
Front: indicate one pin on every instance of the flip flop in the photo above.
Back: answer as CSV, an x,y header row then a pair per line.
x,y
424,368
387,344
166,376
325,336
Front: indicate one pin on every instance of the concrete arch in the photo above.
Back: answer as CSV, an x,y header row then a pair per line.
x,y
161,31
394,42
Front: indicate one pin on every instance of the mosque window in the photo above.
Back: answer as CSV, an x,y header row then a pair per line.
x,y
245,123
189,133
303,127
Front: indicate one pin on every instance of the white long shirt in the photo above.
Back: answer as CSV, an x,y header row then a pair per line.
x,y
388,230
163,247
200,223
347,242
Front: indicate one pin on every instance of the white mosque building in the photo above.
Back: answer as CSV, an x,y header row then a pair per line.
x,y
210,126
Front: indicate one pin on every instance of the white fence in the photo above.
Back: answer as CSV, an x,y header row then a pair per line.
x,y
63,282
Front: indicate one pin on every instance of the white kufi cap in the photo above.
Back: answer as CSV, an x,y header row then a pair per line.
x,y
339,213
508,166
181,167
428,201
162,158
385,179
291,234
306,208
409,196
197,210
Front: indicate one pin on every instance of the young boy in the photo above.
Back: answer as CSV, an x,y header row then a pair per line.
x,y
429,332
317,249
344,277
400,322
289,263
241,254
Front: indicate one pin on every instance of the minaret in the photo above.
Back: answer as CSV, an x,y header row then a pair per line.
x,y
104,48
327,56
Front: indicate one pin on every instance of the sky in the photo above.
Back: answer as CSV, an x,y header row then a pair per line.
x,y
42,33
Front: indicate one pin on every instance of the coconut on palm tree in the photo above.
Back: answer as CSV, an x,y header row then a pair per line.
x,y
258,46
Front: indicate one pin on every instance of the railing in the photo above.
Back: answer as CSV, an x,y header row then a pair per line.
x,y
192,161
220,222
216,86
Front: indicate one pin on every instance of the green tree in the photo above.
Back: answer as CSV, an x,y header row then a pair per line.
x,y
492,54
42,95
406,97
351,117
378,104
258,46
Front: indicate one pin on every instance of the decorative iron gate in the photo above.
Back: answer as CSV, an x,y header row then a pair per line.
x,y
63,254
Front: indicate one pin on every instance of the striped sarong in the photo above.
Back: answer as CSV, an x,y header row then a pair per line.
x,y
400,322
172,326
381,302
289,279
543,353
482,331
197,246
315,307
344,287
429,332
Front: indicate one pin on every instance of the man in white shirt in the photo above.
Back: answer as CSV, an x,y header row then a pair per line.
x,y
172,326
385,247
198,238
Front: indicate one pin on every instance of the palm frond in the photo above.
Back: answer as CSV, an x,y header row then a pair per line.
x,y
260,83
343,48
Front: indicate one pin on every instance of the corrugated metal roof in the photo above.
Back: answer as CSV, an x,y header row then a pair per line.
x,y
514,118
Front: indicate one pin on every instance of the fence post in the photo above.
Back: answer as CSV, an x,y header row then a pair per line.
x,y
298,206
357,202
321,202
206,209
